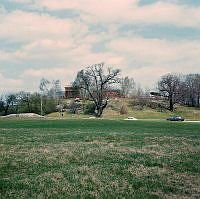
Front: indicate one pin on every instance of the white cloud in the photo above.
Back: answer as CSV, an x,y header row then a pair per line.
x,y
128,11
155,50
4,56
53,73
61,47
148,76
144,59
21,1
33,76
24,26
147,59
10,85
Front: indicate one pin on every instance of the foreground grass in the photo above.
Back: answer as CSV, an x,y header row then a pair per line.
x,y
99,159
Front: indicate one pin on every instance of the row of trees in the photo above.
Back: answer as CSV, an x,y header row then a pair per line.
x,y
176,88
43,102
182,89
93,82
23,102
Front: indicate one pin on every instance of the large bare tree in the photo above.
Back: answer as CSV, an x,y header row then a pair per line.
x,y
95,80
169,86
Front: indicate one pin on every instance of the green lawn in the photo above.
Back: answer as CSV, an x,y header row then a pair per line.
x,y
99,159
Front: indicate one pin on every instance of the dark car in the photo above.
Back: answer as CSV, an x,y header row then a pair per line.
x,y
175,118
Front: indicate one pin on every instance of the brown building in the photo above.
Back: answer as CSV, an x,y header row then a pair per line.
x,y
71,92
113,93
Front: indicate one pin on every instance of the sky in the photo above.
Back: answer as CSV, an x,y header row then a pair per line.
x,y
54,39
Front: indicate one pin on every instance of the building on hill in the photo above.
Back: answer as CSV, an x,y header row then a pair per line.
x,y
112,93
71,92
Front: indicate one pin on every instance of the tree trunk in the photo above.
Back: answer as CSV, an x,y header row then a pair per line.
x,y
171,105
29,109
41,106
192,102
6,110
99,112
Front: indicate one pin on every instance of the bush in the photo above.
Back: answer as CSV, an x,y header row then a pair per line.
x,y
137,108
90,109
112,107
74,107
49,106
123,110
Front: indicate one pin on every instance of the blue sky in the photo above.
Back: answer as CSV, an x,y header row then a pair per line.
x,y
55,39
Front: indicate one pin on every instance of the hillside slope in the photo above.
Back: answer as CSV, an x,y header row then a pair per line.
x,y
113,111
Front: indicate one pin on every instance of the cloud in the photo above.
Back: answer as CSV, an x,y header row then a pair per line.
x,y
155,51
147,59
143,59
2,10
54,73
4,56
33,76
148,76
24,26
23,1
57,48
128,11
10,85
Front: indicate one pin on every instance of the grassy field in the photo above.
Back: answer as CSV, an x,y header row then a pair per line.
x,y
99,159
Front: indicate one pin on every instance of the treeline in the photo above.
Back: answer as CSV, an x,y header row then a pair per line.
x,y
96,83
182,89
24,102
43,102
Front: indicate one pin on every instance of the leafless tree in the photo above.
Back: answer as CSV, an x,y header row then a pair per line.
x,y
191,90
43,89
169,86
127,85
95,80
197,86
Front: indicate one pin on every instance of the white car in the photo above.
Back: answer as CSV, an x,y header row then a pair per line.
x,y
130,118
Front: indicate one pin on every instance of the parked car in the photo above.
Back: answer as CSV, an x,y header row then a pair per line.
x,y
130,118
175,118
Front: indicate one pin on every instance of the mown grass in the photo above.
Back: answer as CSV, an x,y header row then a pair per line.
x,y
99,159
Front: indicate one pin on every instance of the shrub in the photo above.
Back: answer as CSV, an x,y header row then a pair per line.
x,y
74,107
90,109
112,107
49,106
123,110
137,108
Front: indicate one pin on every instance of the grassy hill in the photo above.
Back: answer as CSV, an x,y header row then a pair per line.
x,y
113,111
